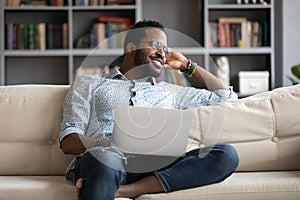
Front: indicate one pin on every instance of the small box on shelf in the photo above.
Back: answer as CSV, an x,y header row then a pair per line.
x,y
253,82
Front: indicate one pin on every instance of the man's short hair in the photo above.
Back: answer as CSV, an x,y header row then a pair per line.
x,y
137,31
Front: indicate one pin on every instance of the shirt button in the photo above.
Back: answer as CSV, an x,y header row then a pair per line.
x,y
51,142
275,139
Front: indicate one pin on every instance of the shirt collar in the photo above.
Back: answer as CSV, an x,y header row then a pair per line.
x,y
116,74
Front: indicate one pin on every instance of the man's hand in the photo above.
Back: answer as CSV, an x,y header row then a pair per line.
x,y
176,61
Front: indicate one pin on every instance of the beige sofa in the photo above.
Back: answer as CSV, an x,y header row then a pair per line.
x,y
265,129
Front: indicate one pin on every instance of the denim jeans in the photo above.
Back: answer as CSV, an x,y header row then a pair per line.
x,y
196,168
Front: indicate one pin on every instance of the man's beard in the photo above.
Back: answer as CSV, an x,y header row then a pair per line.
x,y
143,65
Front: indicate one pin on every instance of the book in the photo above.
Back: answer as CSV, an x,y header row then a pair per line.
x,y
17,43
65,37
9,36
225,35
31,36
115,19
54,36
33,3
12,3
40,36
101,43
255,34
265,34
24,36
111,2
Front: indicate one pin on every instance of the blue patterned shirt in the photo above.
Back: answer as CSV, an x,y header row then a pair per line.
x,y
89,105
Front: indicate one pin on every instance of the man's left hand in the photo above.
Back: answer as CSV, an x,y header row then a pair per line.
x,y
176,61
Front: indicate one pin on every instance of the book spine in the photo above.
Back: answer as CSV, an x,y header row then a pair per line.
x,y
209,38
31,36
9,36
101,43
227,34
108,34
265,34
22,36
57,29
65,35
41,36
50,36
18,36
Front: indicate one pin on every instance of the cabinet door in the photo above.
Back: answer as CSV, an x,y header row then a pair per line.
x,y
36,69
35,50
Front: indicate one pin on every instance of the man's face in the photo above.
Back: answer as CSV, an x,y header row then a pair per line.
x,y
149,58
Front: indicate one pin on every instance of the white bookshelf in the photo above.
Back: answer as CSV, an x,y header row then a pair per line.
x,y
56,66
177,18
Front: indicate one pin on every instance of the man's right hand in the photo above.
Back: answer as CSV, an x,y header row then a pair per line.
x,y
77,144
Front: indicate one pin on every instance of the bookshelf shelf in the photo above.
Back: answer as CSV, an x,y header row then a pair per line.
x,y
108,7
236,6
35,8
191,50
259,50
97,52
51,63
17,53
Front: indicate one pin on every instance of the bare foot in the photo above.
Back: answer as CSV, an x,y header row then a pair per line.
x,y
124,191
147,185
78,186
143,186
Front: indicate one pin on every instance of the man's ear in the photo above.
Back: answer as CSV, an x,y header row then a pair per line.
x,y
130,47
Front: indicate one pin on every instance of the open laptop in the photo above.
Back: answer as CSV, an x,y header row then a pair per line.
x,y
151,131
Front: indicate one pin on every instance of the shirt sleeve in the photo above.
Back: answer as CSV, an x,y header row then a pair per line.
x,y
187,97
77,107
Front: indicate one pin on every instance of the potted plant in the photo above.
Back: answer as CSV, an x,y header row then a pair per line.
x,y
296,72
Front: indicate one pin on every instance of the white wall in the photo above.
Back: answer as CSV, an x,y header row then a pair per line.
x,y
290,36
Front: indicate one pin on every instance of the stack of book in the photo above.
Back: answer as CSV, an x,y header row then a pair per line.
x,y
108,33
101,2
237,32
37,36
15,3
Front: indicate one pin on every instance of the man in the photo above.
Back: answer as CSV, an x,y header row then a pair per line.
x,y
88,116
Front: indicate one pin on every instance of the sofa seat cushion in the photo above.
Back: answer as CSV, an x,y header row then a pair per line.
x,y
242,185
35,187
249,185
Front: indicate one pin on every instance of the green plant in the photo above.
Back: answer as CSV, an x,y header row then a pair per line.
x,y
296,72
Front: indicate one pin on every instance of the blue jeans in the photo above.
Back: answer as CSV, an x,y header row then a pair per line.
x,y
196,168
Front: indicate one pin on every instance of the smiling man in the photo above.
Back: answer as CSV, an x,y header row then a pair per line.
x,y
88,120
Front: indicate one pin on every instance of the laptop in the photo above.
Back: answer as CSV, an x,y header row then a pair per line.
x,y
151,131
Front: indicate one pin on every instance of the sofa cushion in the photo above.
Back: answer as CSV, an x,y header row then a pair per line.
x,y
242,185
36,187
249,186
264,128
30,122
